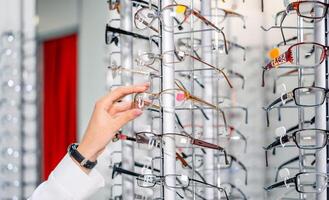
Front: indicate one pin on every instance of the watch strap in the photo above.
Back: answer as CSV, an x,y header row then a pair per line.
x,y
76,155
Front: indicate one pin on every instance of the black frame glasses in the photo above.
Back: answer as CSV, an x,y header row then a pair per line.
x,y
298,95
302,139
301,8
115,39
300,186
150,180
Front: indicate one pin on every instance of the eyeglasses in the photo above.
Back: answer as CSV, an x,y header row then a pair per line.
x,y
114,39
303,138
292,129
232,132
181,95
305,182
308,161
119,170
313,54
145,17
310,11
223,14
173,181
186,43
117,70
149,141
181,140
148,59
302,96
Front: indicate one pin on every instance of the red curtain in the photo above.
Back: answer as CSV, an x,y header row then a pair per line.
x,y
60,99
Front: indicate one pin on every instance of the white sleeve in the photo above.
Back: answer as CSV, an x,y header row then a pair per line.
x,y
68,182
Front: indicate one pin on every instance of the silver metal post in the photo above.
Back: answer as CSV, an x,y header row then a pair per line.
x,y
168,124
208,130
320,112
126,43
300,83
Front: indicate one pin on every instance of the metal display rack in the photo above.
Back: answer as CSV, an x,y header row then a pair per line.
x,y
19,166
321,112
166,157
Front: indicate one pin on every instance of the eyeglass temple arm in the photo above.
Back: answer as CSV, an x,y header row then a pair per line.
x,y
137,164
277,142
273,145
281,183
209,23
120,31
216,68
179,122
211,185
276,101
119,170
277,15
242,166
235,14
294,159
243,138
203,112
279,108
284,15
238,75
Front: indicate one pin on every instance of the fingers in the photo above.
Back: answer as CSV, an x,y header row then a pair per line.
x,y
107,101
120,107
125,117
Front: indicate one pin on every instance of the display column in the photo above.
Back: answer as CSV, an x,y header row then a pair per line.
x,y
168,123
208,130
320,111
126,43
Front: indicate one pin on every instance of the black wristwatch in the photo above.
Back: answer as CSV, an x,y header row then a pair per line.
x,y
74,153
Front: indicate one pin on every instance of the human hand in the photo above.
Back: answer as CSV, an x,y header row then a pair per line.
x,y
108,117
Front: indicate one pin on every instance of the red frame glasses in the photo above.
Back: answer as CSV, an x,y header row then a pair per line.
x,y
288,57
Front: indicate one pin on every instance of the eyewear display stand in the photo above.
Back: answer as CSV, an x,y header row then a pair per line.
x,y
19,155
321,80
321,109
209,169
168,110
176,170
126,53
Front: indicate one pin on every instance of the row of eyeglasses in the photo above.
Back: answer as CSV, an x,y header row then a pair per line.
x,y
18,115
304,55
147,17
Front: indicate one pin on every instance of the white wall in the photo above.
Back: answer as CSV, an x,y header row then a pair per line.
x,y
56,16
92,66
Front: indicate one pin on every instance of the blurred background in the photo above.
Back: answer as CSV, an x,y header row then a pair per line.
x,y
54,66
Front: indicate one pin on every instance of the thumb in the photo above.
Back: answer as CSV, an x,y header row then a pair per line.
x,y
125,117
